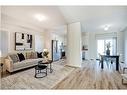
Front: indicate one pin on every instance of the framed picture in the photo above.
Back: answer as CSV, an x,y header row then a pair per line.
x,y
23,41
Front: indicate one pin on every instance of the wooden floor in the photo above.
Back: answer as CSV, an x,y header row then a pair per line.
x,y
92,77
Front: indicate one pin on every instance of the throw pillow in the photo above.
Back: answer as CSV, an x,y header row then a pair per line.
x,y
39,55
21,56
14,58
29,55
34,55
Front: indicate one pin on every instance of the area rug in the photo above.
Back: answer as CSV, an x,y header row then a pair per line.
x,y
26,80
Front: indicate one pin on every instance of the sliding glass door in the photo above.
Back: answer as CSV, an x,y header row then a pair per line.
x,y
101,46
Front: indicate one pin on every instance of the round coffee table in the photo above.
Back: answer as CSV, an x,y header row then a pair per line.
x,y
38,70
48,62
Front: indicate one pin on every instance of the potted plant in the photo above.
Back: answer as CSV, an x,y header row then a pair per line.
x,y
108,45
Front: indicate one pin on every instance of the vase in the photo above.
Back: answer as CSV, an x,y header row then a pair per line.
x,y
107,52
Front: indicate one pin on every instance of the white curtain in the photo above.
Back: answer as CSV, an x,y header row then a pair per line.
x,y
114,45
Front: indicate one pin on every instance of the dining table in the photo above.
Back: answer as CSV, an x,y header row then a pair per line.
x,y
103,57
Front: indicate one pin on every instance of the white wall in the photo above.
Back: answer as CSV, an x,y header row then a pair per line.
x,y
74,54
120,45
11,37
0,45
0,33
125,45
39,43
11,26
4,43
49,36
92,46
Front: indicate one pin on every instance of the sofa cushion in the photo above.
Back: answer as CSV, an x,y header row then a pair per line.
x,y
25,63
21,56
14,58
38,59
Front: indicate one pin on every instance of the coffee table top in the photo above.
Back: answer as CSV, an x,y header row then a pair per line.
x,y
40,67
45,62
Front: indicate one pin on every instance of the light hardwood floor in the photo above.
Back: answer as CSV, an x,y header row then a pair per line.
x,y
92,77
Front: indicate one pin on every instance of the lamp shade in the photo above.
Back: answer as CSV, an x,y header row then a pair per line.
x,y
45,50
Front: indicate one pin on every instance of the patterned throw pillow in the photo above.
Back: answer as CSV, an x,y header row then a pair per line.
x,y
28,55
14,58
34,55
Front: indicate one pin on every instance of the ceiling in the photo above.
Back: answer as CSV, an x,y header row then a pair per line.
x,y
26,14
92,18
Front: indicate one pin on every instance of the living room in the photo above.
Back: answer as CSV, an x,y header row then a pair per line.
x,y
16,31
65,33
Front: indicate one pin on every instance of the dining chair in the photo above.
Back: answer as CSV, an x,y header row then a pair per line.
x,y
121,63
124,76
99,59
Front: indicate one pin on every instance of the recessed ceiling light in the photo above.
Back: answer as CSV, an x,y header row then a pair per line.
x,y
40,17
106,27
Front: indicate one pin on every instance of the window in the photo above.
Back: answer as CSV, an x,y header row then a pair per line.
x,y
101,46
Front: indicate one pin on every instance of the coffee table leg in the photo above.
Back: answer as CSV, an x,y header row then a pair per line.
x,y
46,71
35,73
51,68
